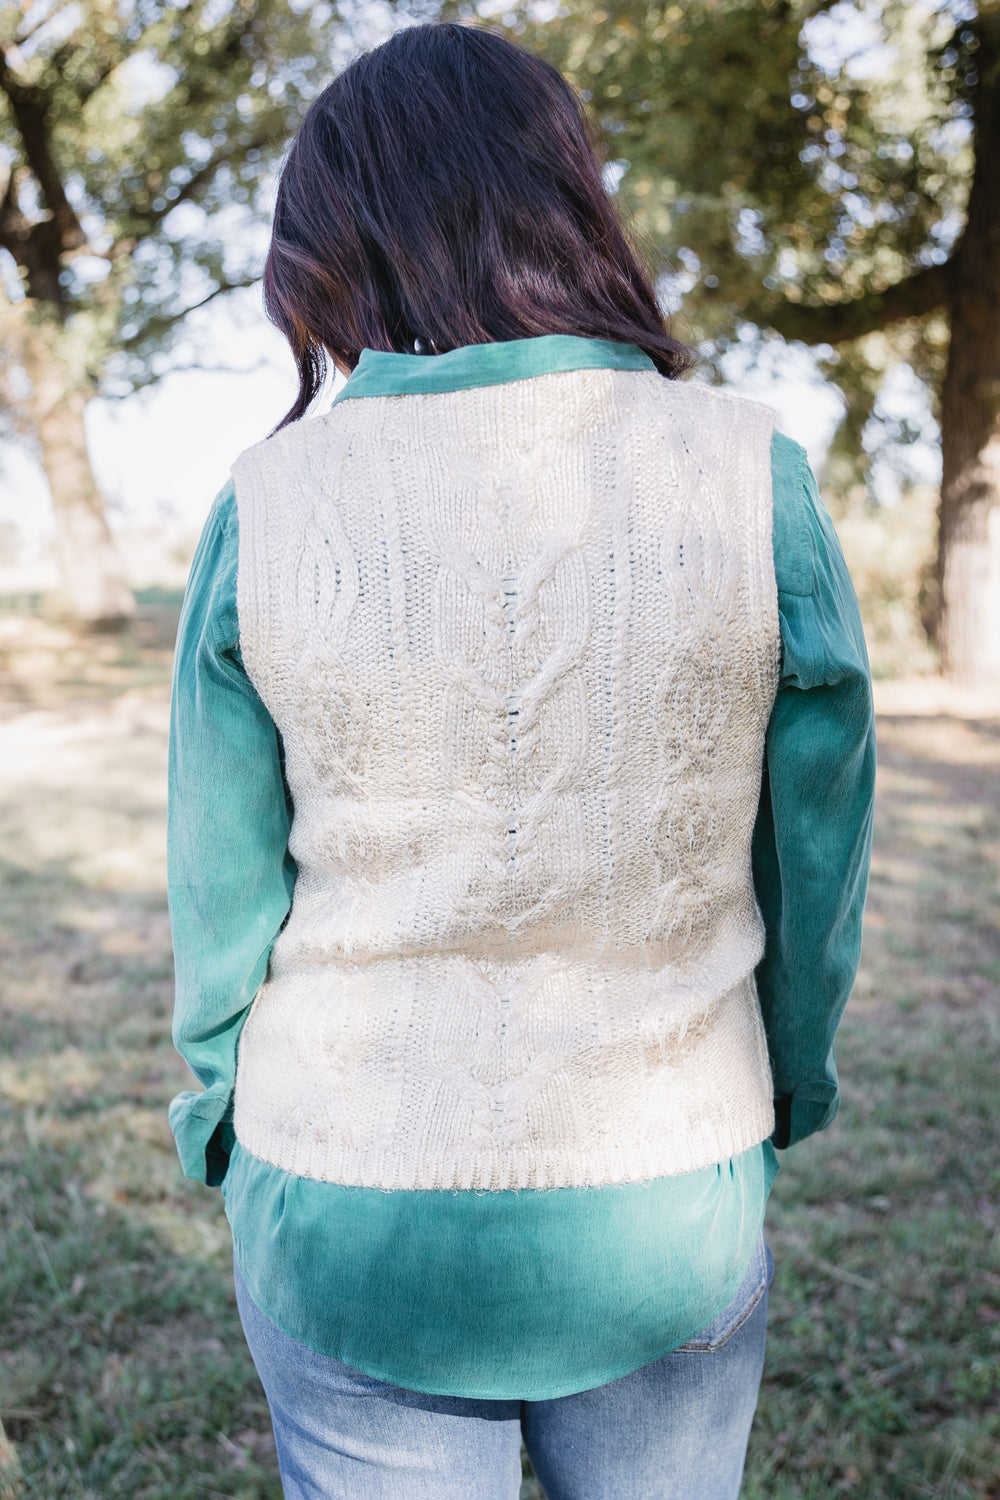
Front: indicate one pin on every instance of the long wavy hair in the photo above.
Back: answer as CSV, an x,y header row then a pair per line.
x,y
446,188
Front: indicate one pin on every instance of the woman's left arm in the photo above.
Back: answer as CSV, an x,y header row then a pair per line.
x,y
812,842
229,873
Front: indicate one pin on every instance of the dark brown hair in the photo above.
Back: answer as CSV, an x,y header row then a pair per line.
x,y
446,187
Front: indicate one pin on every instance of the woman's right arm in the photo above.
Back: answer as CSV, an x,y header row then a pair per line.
x,y
229,873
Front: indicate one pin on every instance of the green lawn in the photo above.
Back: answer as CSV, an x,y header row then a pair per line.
x,y
123,1370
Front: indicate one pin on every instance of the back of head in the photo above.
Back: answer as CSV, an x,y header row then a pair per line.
x,y
445,187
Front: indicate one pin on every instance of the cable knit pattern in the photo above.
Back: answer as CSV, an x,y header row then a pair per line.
x,y
521,644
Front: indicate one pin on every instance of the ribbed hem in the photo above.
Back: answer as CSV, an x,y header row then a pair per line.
x,y
678,1119
619,1162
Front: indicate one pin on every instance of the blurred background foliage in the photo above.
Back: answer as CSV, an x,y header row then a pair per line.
x,y
138,139
784,194
797,170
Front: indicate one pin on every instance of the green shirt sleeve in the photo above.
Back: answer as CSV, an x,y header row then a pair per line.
x,y
229,873
812,841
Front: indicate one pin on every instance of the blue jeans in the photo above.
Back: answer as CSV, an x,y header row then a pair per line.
x,y
675,1429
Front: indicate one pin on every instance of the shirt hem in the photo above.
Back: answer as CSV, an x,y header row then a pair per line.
x,y
374,1370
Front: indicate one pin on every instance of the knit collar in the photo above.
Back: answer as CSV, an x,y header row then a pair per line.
x,y
380,374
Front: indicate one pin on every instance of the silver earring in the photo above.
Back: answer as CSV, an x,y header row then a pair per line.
x,y
419,346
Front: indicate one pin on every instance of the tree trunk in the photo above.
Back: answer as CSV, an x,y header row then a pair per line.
x,y
92,573
969,537
88,559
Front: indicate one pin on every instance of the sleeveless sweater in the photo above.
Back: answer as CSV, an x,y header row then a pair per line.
x,y
521,645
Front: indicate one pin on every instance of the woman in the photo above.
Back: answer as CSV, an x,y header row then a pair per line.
x,y
521,780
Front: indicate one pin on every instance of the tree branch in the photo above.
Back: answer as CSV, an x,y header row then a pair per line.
x,y
162,322
224,286
34,244
841,322
30,106
262,363
204,174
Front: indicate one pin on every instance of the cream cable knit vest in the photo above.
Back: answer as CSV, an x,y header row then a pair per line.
x,y
521,644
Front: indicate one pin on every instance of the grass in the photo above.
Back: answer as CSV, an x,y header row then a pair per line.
x,y
123,1370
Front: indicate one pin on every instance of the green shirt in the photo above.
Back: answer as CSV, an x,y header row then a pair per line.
x,y
526,1294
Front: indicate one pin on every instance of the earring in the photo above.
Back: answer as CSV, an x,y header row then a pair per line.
x,y
419,346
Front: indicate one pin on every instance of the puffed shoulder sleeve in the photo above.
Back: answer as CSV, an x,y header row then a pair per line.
x,y
812,841
229,873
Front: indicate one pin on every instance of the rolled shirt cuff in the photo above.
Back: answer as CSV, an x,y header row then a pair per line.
x,y
202,1127
810,1108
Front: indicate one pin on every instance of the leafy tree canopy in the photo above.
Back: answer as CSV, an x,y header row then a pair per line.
x,y
137,145
781,183
137,138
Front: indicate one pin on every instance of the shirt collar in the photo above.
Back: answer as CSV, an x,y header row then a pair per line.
x,y
380,374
